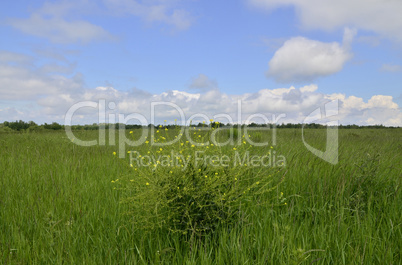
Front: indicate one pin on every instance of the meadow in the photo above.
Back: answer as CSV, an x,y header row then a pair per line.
x,y
61,203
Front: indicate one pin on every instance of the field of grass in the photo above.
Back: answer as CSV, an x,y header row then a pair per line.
x,y
59,205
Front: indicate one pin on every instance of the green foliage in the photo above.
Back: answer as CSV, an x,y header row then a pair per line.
x,y
58,205
53,126
17,125
367,187
204,190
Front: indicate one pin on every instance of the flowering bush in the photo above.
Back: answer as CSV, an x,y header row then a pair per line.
x,y
193,185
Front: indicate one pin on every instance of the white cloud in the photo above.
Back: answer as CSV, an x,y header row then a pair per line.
x,y
54,21
30,94
310,88
295,103
301,59
20,79
59,21
394,68
154,11
380,101
59,30
379,16
16,58
202,82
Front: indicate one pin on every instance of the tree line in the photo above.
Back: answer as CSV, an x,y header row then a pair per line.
x,y
32,126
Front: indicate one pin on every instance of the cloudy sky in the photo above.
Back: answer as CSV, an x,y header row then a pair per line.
x,y
275,57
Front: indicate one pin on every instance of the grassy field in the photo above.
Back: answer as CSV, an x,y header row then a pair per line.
x,y
59,205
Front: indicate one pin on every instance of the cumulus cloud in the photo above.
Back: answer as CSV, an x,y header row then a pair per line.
x,y
295,103
302,59
28,93
382,17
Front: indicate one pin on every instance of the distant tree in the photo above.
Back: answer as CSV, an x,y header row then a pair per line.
x,y
18,125
53,126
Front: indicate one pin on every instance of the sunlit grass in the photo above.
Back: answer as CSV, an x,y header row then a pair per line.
x,y
58,205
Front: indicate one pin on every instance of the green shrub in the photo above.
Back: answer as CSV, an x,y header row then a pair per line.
x,y
195,195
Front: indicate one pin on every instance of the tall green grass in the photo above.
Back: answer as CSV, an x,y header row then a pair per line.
x,y
59,206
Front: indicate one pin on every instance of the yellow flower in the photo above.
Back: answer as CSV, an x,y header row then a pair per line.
x,y
192,145
147,142
147,184
211,120
114,153
164,121
157,131
206,176
234,148
128,152
166,129
131,165
131,132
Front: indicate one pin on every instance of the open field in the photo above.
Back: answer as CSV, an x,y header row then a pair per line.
x,y
58,205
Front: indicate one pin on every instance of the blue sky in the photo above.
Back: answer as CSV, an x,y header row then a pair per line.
x,y
287,56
